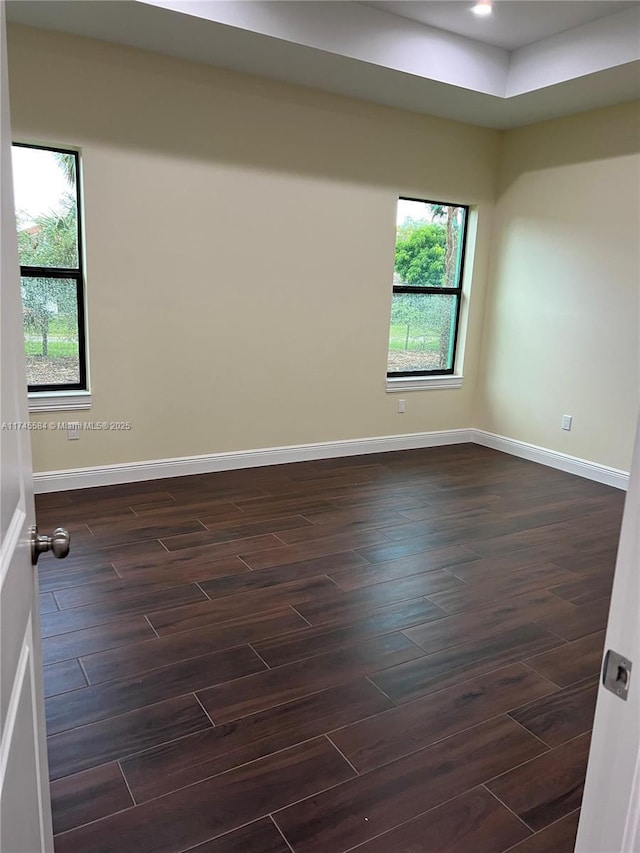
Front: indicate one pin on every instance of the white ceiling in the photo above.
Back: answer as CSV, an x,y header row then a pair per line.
x,y
565,56
513,23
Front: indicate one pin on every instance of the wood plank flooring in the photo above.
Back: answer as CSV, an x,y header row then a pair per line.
x,y
394,653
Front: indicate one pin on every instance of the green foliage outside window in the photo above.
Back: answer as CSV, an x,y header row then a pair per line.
x,y
46,186
427,255
50,240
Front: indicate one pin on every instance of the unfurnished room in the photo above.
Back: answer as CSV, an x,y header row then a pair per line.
x,y
320,382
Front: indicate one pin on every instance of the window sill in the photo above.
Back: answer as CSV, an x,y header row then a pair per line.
x,y
423,383
59,401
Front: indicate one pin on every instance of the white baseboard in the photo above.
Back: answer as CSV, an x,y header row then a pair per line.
x,y
562,461
134,472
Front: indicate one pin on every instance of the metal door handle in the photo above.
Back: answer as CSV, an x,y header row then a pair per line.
x,y
58,543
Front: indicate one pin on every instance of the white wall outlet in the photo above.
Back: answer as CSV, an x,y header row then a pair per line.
x,y
566,422
402,407
73,431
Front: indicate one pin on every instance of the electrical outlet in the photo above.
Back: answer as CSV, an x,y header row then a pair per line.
x,y
73,431
402,407
566,422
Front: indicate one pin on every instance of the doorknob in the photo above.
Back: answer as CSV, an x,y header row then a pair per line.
x,y
58,543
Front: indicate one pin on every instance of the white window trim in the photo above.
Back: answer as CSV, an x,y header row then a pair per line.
x,y
423,383
59,401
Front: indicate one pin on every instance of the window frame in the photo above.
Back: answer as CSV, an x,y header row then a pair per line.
x,y
438,291
75,274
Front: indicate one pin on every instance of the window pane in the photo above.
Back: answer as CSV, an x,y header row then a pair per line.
x,y
50,316
422,332
428,244
46,207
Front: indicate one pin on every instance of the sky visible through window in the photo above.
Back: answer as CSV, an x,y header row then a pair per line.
x,y
416,210
38,184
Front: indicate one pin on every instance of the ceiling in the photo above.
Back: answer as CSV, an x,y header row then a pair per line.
x,y
512,24
530,60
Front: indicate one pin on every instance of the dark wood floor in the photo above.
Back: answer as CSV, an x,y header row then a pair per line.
x,y
393,653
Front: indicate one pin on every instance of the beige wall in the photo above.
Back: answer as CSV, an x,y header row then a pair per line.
x,y
240,238
561,325
240,250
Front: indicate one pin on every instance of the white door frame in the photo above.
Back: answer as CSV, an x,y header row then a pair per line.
x,y
25,807
610,816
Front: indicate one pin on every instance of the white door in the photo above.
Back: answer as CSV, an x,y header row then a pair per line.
x,y
610,817
25,812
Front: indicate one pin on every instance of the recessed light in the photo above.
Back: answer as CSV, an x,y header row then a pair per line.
x,y
482,8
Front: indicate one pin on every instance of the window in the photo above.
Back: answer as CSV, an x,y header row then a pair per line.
x,y
47,197
427,287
